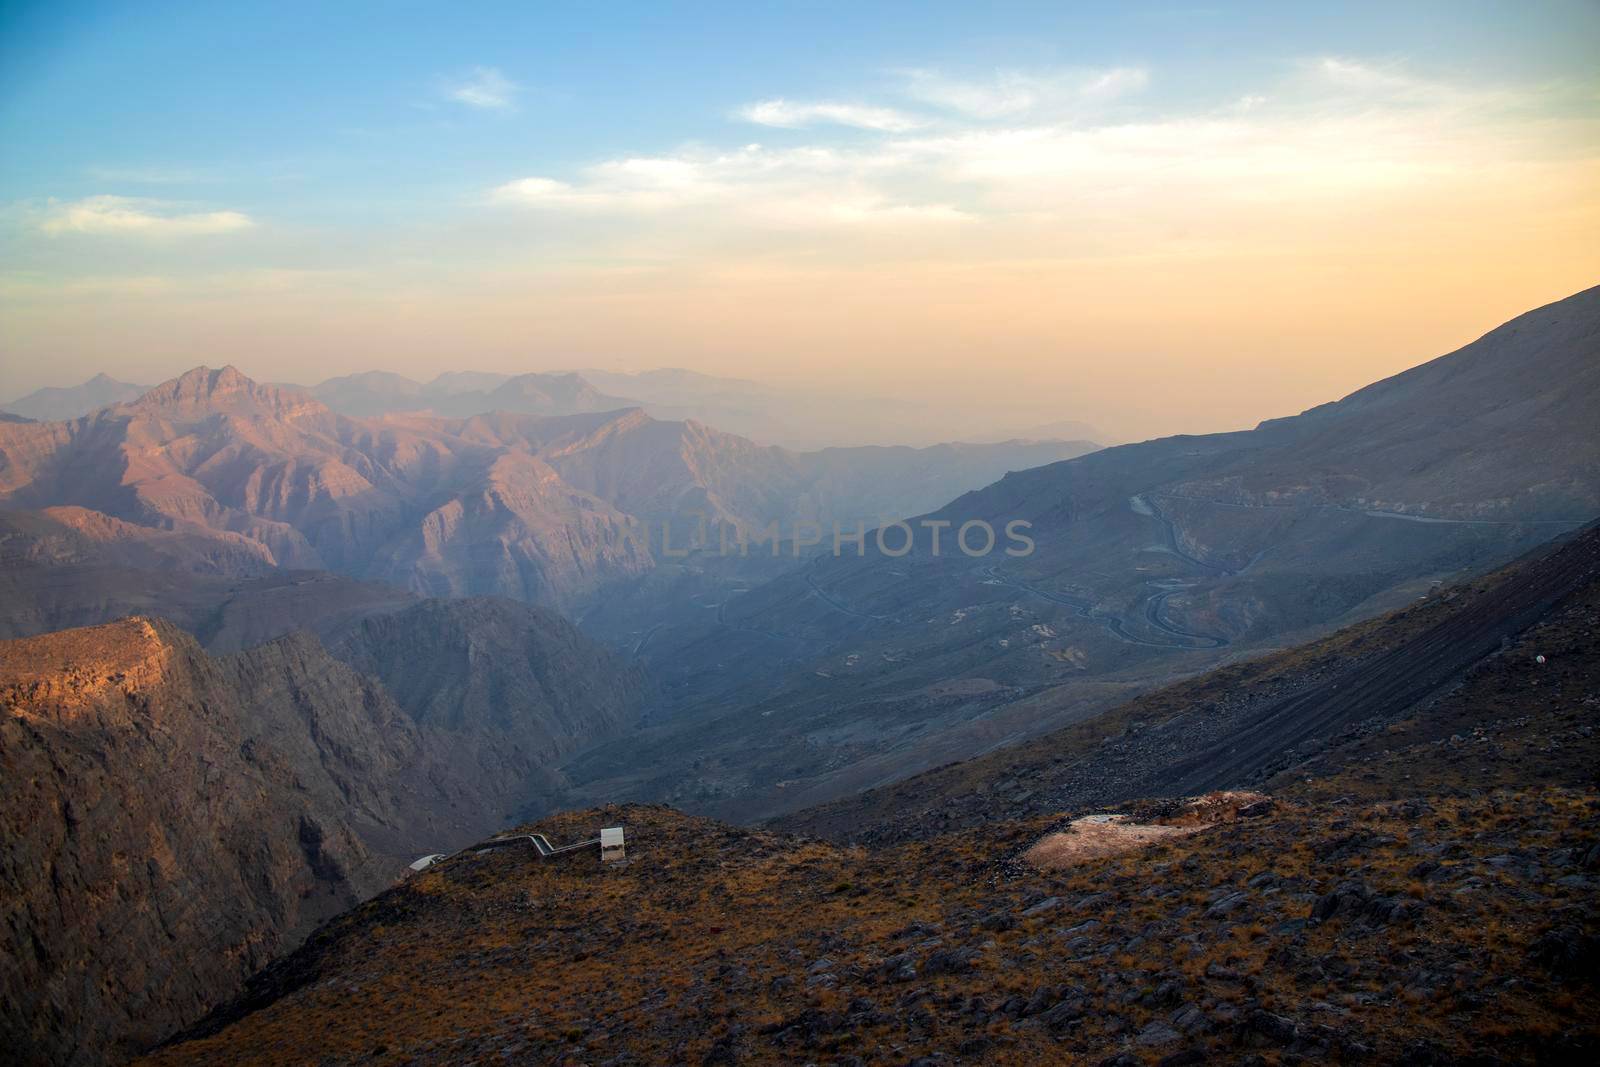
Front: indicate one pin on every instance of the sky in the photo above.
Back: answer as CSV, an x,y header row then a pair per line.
x,y
1156,218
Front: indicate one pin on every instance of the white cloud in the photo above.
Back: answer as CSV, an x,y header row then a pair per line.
x,y
1050,158
129,216
1011,93
790,115
482,87
1342,82
1119,81
537,191
752,185
633,184
1005,94
1352,74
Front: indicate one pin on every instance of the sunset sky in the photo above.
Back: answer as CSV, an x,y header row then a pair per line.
x,y
1153,217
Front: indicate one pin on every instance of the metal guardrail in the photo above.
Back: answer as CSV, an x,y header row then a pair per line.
x,y
609,844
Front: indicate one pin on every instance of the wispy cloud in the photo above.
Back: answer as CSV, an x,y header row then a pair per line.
x,y
130,216
797,115
1002,95
753,185
1114,83
1081,159
482,87
1014,93
1360,76
1350,83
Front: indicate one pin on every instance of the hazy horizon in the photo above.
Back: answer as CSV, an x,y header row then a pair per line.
x,y
994,417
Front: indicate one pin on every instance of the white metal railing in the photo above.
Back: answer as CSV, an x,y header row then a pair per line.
x,y
609,843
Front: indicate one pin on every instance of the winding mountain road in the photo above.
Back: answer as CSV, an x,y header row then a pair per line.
x,y
811,580
1373,513
1144,505
1084,609
1152,615
1160,592
648,634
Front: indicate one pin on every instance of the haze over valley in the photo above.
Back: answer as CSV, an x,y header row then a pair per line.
x,y
813,533
784,673
756,631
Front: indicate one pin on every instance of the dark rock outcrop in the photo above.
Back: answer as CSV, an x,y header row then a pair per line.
x,y
173,820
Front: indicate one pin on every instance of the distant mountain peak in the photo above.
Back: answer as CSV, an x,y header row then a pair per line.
x,y
225,377
205,390
54,403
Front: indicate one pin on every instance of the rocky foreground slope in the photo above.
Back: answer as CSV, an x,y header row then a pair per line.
x,y
1420,890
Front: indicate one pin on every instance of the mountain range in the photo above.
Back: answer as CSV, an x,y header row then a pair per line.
x,y
801,418
1152,561
548,509
381,393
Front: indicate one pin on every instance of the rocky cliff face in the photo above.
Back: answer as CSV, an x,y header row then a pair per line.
x,y
505,690
173,820
69,535
502,691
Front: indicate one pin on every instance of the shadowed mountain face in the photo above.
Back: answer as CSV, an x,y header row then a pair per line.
x,y
53,579
1152,561
78,535
172,821
547,509
506,689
